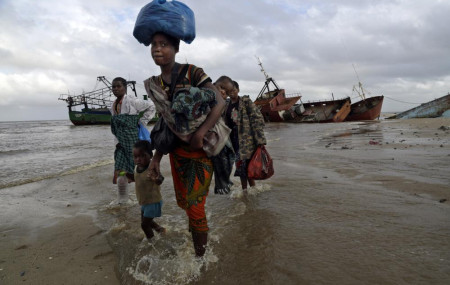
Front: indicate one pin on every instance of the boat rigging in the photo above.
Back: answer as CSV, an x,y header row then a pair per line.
x,y
94,104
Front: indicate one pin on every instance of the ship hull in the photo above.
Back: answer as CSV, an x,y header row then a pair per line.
x,y
368,109
273,107
432,109
271,114
95,117
333,111
90,117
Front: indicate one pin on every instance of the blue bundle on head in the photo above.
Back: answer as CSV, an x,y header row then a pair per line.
x,y
171,17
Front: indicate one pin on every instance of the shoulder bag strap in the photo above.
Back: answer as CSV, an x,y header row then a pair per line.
x,y
174,78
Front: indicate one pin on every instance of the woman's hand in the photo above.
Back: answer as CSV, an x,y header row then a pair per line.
x,y
196,141
153,169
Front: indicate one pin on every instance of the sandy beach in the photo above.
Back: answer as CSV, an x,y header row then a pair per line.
x,y
52,231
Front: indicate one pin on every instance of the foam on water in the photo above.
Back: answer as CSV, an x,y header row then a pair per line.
x,y
169,258
162,261
237,192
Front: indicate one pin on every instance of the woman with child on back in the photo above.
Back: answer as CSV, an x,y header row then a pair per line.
x,y
246,122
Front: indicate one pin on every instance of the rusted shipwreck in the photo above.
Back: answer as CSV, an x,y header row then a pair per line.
x,y
367,108
276,106
432,109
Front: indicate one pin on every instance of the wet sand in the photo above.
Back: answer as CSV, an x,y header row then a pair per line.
x,y
52,231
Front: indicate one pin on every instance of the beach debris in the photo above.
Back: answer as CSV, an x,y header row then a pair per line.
x,y
345,147
69,205
443,200
373,142
444,128
22,247
22,273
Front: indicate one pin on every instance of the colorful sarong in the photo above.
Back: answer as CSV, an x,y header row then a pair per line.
x,y
125,128
192,172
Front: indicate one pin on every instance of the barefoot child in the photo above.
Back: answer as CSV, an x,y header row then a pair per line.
x,y
147,191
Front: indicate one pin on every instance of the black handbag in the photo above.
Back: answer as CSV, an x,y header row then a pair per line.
x,y
162,137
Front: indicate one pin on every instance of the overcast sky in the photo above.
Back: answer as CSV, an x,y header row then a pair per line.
x,y
400,49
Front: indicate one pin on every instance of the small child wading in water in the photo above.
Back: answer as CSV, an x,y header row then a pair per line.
x,y
147,191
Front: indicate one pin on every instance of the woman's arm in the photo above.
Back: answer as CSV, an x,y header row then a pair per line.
x,y
213,116
154,169
148,114
144,106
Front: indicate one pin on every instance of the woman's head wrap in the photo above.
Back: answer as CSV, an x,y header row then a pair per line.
x,y
171,17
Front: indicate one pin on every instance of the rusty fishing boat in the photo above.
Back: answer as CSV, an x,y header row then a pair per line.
x,y
276,106
366,108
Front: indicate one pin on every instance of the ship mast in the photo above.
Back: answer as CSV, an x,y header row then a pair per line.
x,y
359,89
268,81
105,81
262,68
108,84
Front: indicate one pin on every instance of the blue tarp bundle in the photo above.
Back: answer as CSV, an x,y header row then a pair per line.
x,y
171,17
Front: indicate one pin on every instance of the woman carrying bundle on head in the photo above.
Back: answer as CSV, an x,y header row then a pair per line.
x,y
190,108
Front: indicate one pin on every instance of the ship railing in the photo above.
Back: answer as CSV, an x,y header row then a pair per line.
x,y
291,95
99,98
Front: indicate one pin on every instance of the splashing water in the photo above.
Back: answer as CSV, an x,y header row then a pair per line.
x,y
169,260
237,192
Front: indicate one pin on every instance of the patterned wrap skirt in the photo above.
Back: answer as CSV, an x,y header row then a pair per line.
x,y
192,173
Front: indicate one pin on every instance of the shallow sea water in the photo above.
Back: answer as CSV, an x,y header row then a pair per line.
x,y
327,216
335,212
36,150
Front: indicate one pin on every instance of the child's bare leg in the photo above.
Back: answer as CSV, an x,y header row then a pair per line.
x,y
158,228
146,225
251,182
